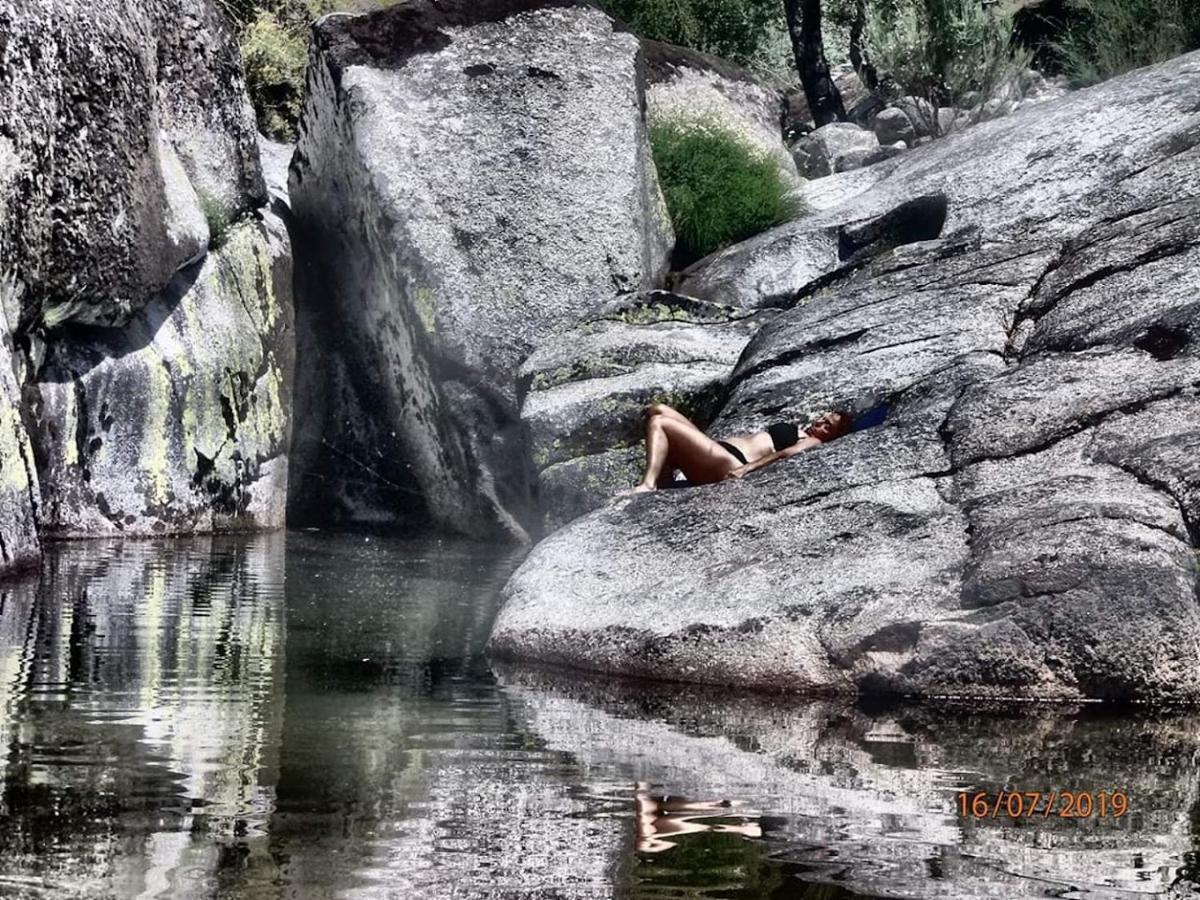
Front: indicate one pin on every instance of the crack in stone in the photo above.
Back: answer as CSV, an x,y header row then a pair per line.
x,y
1162,487
1082,425
1154,254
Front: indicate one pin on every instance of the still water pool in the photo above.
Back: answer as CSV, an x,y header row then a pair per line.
x,y
311,715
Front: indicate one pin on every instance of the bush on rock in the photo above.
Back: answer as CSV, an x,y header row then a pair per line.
x,y
275,58
719,190
942,50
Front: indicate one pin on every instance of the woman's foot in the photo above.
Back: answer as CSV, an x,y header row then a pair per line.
x,y
640,489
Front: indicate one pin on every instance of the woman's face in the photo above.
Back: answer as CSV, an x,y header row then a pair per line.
x,y
826,427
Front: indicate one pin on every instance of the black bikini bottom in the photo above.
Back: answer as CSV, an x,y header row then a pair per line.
x,y
737,454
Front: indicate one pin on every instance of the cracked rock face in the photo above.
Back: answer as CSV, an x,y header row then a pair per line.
x,y
125,122
178,422
1022,524
472,178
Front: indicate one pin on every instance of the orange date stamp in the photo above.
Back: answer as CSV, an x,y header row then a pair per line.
x,y
1043,804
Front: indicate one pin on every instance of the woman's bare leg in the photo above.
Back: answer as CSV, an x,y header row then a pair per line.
x,y
667,476
661,409
682,445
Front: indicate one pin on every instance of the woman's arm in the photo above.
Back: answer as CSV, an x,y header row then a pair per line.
x,y
786,453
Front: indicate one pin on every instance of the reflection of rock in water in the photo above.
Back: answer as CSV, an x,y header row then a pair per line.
x,y
144,713
401,774
869,800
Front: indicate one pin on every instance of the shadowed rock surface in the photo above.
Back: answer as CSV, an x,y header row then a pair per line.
x,y
1023,522
180,421
127,126
473,179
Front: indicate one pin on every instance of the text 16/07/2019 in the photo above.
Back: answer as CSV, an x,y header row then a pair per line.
x,y
1043,804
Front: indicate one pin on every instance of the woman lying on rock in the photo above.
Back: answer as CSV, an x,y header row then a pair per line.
x,y
673,442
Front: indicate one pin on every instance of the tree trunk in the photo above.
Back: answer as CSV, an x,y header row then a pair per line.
x,y
804,26
858,56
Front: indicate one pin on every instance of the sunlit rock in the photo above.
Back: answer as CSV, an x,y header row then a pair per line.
x,y
180,421
128,133
1022,521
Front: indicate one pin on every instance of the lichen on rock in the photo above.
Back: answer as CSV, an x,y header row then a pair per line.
x,y
179,422
121,117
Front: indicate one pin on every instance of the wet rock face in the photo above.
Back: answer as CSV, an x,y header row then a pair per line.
x,y
178,422
471,179
18,476
1023,522
127,123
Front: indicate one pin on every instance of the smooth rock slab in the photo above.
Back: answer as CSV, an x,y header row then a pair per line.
x,y
179,422
472,179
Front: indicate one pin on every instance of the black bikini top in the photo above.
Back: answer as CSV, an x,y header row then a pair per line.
x,y
783,434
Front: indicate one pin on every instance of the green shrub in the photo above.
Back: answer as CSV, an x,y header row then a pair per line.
x,y
274,37
718,189
217,218
943,50
1116,36
275,58
738,30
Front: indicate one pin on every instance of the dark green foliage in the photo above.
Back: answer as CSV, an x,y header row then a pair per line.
x,y
1115,36
718,189
274,36
275,58
734,29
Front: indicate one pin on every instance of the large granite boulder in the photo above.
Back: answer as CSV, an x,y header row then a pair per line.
x,y
586,390
180,421
471,179
1023,522
682,84
127,133
18,475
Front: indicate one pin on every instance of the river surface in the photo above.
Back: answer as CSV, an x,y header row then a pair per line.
x,y
311,715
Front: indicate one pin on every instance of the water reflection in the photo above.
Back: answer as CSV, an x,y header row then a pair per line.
x,y
312,716
869,802
139,685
